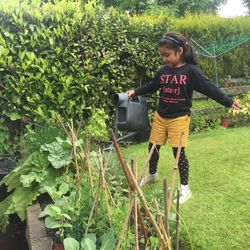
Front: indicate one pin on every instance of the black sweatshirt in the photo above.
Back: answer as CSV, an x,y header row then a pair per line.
x,y
176,88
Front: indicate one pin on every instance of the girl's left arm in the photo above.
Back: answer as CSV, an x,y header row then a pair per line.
x,y
203,85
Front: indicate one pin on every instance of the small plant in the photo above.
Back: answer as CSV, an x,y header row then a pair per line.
x,y
96,127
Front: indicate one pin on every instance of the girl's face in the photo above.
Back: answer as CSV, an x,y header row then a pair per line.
x,y
171,57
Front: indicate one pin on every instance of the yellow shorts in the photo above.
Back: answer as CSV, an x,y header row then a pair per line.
x,y
169,129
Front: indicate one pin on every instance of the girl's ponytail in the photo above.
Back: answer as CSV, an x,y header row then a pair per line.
x,y
189,54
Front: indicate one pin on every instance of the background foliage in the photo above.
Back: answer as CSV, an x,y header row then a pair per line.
x,y
180,6
70,57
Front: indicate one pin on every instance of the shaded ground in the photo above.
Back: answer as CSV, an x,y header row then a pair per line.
x,y
14,238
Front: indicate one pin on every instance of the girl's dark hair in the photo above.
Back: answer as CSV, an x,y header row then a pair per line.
x,y
174,40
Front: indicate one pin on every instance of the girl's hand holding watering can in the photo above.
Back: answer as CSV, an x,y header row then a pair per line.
x,y
130,93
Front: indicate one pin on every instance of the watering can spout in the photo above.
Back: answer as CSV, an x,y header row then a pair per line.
x,y
119,99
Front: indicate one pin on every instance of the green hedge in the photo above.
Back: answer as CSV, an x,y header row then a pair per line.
x,y
71,58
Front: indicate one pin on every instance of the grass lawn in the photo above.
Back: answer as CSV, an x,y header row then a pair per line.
x,y
217,216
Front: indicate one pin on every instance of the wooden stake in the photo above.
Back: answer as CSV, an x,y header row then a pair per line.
x,y
106,195
143,225
61,123
175,168
95,203
135,210
166,217
147,161
87,156
125,224
119,155
132,181
105,166
161,222
177,221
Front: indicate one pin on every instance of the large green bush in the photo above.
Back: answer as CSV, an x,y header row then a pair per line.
x,y
71,57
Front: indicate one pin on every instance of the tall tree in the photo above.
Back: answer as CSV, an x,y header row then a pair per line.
x,y
193,6
247,4
135,6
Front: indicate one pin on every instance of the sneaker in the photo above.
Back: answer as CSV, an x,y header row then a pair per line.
x,y
150,178
185,194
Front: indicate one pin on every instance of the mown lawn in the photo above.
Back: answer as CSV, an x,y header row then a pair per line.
x,y
217,216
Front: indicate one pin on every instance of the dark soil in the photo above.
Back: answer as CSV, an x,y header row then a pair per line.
x,y
14,238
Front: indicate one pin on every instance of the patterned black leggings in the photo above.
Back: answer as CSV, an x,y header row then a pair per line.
x,y
183,163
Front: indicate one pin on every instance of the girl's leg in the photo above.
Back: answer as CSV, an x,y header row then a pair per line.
x,y
154,159
183,165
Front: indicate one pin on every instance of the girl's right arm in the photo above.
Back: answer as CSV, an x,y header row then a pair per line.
x,y
151,87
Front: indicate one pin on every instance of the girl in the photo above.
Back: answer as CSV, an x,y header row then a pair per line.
x,y
176,82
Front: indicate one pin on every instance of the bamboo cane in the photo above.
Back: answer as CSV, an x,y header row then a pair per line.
x,y
166,217
125,224
175,168
147,160
95,201
131,179
74,150
87,155
105,166
135,210
139,215
161,222
177,221
106,196
119,155
65,130
143,225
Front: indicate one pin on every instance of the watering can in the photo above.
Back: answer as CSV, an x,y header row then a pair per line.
x,y
131,113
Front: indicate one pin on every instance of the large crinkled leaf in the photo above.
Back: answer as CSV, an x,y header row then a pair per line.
x,y
4,221
28,179
57,194
35,162
59,153
52,177
22,198
71,244
6,208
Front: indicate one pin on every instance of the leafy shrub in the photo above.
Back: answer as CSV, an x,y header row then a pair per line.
x,y
69,57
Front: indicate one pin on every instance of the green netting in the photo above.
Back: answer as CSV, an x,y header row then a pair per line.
x,y
218,49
